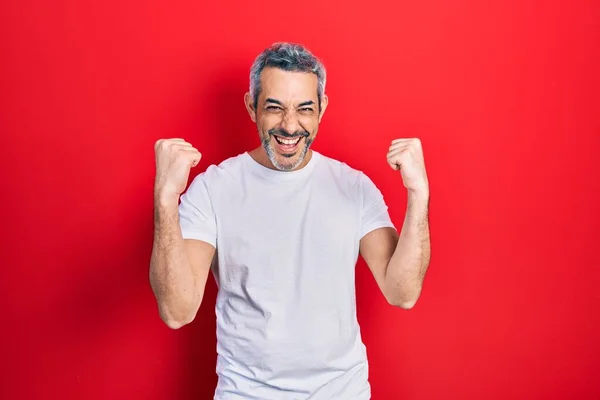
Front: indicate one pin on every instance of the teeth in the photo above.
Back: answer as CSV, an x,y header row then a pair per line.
x,y
288,141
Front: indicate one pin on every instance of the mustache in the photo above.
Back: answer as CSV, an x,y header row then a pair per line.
x,y
285,134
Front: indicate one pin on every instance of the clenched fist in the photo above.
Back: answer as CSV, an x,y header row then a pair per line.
x,y
174,159
406,155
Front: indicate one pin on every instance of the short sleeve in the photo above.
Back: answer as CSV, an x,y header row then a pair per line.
x,y
196,214
374,210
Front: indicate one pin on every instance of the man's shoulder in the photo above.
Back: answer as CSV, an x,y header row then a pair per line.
x,y
341,169
351,177
229,166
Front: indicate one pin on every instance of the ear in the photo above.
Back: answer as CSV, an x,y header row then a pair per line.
x,y
249,101
324,102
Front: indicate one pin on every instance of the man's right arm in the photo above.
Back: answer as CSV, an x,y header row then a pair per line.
x,y
179,267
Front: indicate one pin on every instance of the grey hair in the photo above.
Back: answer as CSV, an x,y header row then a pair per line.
x,y
287,57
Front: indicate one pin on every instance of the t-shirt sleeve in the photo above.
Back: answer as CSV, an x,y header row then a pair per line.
x,y
374,210
196,215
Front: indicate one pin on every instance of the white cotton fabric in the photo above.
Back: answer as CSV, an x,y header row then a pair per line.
x,y
287,245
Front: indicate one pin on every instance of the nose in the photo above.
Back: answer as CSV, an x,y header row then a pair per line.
x,y
290,122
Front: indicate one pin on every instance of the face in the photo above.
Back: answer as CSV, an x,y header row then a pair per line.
x,y
287,115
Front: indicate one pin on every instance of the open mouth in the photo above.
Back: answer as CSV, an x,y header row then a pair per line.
x,y
287,142
287,145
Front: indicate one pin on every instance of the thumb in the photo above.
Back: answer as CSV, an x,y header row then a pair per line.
x,y
394,165
196,159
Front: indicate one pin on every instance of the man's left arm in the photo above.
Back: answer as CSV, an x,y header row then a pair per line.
x,y
399,262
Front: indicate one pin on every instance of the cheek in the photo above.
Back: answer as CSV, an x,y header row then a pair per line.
x,y
262,125
267,122
310,124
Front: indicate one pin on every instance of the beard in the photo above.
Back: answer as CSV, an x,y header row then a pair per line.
x,y
287,162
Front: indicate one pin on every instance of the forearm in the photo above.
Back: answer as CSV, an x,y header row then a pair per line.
x,y
407,267
171,275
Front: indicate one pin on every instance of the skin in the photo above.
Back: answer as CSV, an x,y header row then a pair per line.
x,y
179,268
399,262
287,105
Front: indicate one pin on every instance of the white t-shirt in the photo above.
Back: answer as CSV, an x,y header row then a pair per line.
x,y
287,246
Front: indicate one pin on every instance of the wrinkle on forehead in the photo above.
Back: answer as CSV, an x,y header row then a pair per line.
x,y
290,88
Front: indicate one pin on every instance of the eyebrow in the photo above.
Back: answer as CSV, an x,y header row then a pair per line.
x,y
270,100
306,103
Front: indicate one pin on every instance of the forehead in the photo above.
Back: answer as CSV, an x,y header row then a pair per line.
x,y
288,85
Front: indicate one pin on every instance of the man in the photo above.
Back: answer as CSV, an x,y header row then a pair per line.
x,y
281,227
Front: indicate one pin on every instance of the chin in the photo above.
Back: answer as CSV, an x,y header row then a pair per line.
x,y
287,163
289,160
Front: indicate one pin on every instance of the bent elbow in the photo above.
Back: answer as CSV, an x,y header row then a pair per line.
x,y
405,305
176,320
175,323
404,302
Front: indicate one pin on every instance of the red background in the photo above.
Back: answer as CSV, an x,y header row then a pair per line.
x,y
504,96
